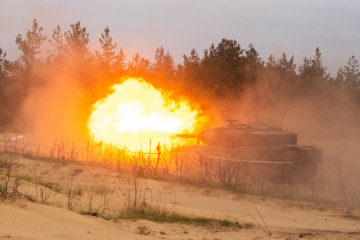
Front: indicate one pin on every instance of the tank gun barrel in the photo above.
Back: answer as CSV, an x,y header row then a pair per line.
x,y
186,135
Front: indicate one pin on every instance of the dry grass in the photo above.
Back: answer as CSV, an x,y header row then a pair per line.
x,y
330,185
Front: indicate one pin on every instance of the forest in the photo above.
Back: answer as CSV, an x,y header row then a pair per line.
x,y
222,72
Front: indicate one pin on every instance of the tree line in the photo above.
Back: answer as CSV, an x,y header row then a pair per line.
x,y
223,70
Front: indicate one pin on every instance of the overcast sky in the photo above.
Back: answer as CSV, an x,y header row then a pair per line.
x,y
295,27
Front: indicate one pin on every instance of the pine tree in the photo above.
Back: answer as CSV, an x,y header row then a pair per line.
x,y
109,59
164,64
221,68
349,77
108,47
4,72
77,40
139,66
57,42
191,65
31,45
119,65
283,68
312,72
252,65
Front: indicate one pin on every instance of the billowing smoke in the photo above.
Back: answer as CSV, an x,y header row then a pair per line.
x,y
57,109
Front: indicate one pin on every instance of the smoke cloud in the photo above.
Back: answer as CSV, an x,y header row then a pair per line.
x,y
57,109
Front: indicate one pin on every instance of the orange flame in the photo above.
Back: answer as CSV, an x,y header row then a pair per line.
x,y
136,114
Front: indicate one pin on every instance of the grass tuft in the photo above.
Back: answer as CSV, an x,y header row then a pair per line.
x,y
50,185
172,217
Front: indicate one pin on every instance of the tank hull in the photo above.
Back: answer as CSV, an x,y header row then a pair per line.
x,y
287,163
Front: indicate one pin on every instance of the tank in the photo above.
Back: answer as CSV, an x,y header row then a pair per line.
x,y
261,152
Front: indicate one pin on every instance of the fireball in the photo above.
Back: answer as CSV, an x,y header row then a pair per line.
x,y
139,117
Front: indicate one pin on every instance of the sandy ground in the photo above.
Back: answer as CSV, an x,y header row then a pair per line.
x,y
25,220
285,219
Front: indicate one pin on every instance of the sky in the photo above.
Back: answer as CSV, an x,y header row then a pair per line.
x,y
295,27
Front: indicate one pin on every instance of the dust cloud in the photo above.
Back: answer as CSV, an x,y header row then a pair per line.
x,y
58,108
323,113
